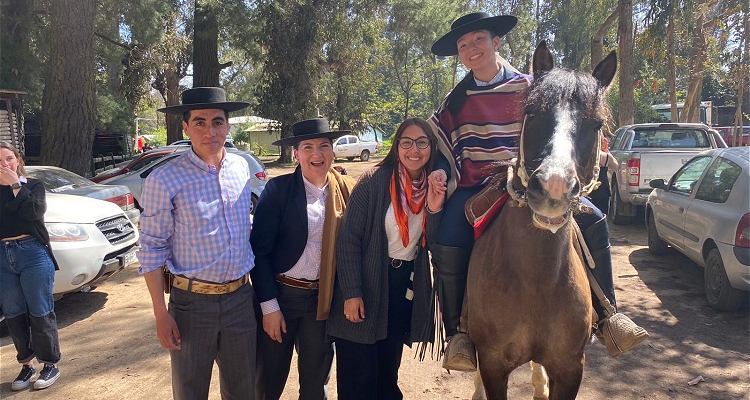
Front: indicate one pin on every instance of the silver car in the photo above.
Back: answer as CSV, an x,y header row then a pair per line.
x,y
62,181
704,213
135,179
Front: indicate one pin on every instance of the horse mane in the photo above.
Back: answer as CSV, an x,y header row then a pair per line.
x,y
563,85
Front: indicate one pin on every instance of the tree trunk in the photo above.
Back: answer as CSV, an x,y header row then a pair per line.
x,y
691,109
206,66
744,74
596,40
174,122
69,97
672,67
625,36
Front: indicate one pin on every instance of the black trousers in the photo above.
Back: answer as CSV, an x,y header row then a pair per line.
x,y
370,371
308,336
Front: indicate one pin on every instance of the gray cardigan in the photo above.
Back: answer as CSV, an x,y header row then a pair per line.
x,y
363,262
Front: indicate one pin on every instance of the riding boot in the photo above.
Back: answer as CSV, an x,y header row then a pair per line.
x,y
451,266
621,332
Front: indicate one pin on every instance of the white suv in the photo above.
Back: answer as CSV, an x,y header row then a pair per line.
x,y
91,240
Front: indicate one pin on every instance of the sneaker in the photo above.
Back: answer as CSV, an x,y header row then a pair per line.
x,y
47,377
24,378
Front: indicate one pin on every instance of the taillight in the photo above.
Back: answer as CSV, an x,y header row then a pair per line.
x,y
125,201
742,236
261,175
634,169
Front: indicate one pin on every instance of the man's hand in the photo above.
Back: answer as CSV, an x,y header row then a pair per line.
x,y
166,330
274,324
354,310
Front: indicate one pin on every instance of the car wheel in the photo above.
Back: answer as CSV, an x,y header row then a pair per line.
x,y
656,246
365,155
350,158
719,293
254,202
616,208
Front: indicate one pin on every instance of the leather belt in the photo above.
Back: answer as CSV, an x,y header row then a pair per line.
x,y
298,283
203,287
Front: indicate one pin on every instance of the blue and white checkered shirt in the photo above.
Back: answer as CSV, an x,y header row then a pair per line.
x,y
196,220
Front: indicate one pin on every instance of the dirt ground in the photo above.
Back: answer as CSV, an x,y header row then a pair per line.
x,y
110,349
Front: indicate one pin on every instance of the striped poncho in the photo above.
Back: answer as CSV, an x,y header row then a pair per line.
x,y
486,130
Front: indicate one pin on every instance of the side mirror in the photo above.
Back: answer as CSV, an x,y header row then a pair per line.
x,y
658,184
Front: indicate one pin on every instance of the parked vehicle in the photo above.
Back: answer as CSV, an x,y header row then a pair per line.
x,y
727,133
58,180
185,142
704,213
350,147
91,240
136,163
135,178
652,151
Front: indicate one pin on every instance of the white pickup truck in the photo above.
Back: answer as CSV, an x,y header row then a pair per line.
x,y
350,146
652,151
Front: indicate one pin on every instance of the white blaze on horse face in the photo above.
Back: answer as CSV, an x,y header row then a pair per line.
x,y
557,171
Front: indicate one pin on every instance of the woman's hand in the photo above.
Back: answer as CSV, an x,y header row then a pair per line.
x,y
274,325
354,310
436,189
7,176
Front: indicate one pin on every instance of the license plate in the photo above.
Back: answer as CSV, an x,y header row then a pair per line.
x,y
129,258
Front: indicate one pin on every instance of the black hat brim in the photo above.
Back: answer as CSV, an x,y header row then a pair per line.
x,y
181,109
500,25
291,141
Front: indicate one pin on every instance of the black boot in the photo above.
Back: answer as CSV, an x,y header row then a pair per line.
x,y
597,240
618,332
451,266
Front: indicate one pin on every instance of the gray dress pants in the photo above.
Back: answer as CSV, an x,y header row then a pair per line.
x,y
219,328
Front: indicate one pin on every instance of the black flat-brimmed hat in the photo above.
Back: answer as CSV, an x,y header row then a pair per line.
x,y
315,128
202,98
499,25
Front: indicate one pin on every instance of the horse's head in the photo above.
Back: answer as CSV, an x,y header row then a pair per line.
x,y
559,144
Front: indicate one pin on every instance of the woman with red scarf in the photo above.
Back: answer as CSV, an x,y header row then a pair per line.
x,y
381,300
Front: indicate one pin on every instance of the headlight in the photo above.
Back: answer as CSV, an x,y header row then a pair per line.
x,y
60,232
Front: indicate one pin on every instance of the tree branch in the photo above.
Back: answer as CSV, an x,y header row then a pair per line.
x,y
116,43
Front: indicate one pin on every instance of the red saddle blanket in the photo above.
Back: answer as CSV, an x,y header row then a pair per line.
x,y
484,221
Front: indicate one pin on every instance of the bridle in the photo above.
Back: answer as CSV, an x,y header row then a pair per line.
x,y
519,196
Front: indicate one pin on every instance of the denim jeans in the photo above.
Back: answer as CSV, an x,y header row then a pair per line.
x,y
26,278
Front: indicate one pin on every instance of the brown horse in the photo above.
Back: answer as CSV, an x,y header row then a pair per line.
x,y
528,293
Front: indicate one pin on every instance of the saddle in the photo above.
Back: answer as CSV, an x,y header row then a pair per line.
x,y
482,208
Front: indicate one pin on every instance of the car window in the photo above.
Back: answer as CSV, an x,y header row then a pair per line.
x,y
341,141
671,138
619,137
719,180
352,140
60,180
145,160
687,177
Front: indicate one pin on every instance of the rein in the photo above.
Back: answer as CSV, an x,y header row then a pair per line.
x,y
519,196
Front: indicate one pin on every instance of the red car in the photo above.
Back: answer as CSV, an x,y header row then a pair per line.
x,y
135,163
726,134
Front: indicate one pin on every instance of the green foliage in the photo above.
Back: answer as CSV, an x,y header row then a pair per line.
x,y
160,137
385,146
113,114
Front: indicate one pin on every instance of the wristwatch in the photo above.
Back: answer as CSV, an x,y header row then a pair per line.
x,y
16,185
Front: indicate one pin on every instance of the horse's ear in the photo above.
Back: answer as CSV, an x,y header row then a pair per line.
x,y
605,70
542,61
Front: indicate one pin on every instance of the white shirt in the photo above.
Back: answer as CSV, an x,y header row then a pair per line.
x,y
396,247
308,265
500,76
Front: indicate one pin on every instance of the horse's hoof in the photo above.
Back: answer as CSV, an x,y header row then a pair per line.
x,y
460,355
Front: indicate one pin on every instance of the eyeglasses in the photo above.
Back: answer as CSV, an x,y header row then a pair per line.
x,y
406,143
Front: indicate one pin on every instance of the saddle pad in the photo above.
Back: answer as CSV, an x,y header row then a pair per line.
x,y
484,221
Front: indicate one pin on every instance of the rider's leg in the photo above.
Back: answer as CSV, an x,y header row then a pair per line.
x,y
596,235
450,260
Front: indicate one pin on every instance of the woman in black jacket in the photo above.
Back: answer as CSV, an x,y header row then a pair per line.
x,y
27,272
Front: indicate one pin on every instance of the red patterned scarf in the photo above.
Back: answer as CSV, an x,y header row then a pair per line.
x,y
413,196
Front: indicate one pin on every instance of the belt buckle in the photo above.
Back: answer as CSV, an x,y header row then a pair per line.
x,y
396,263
